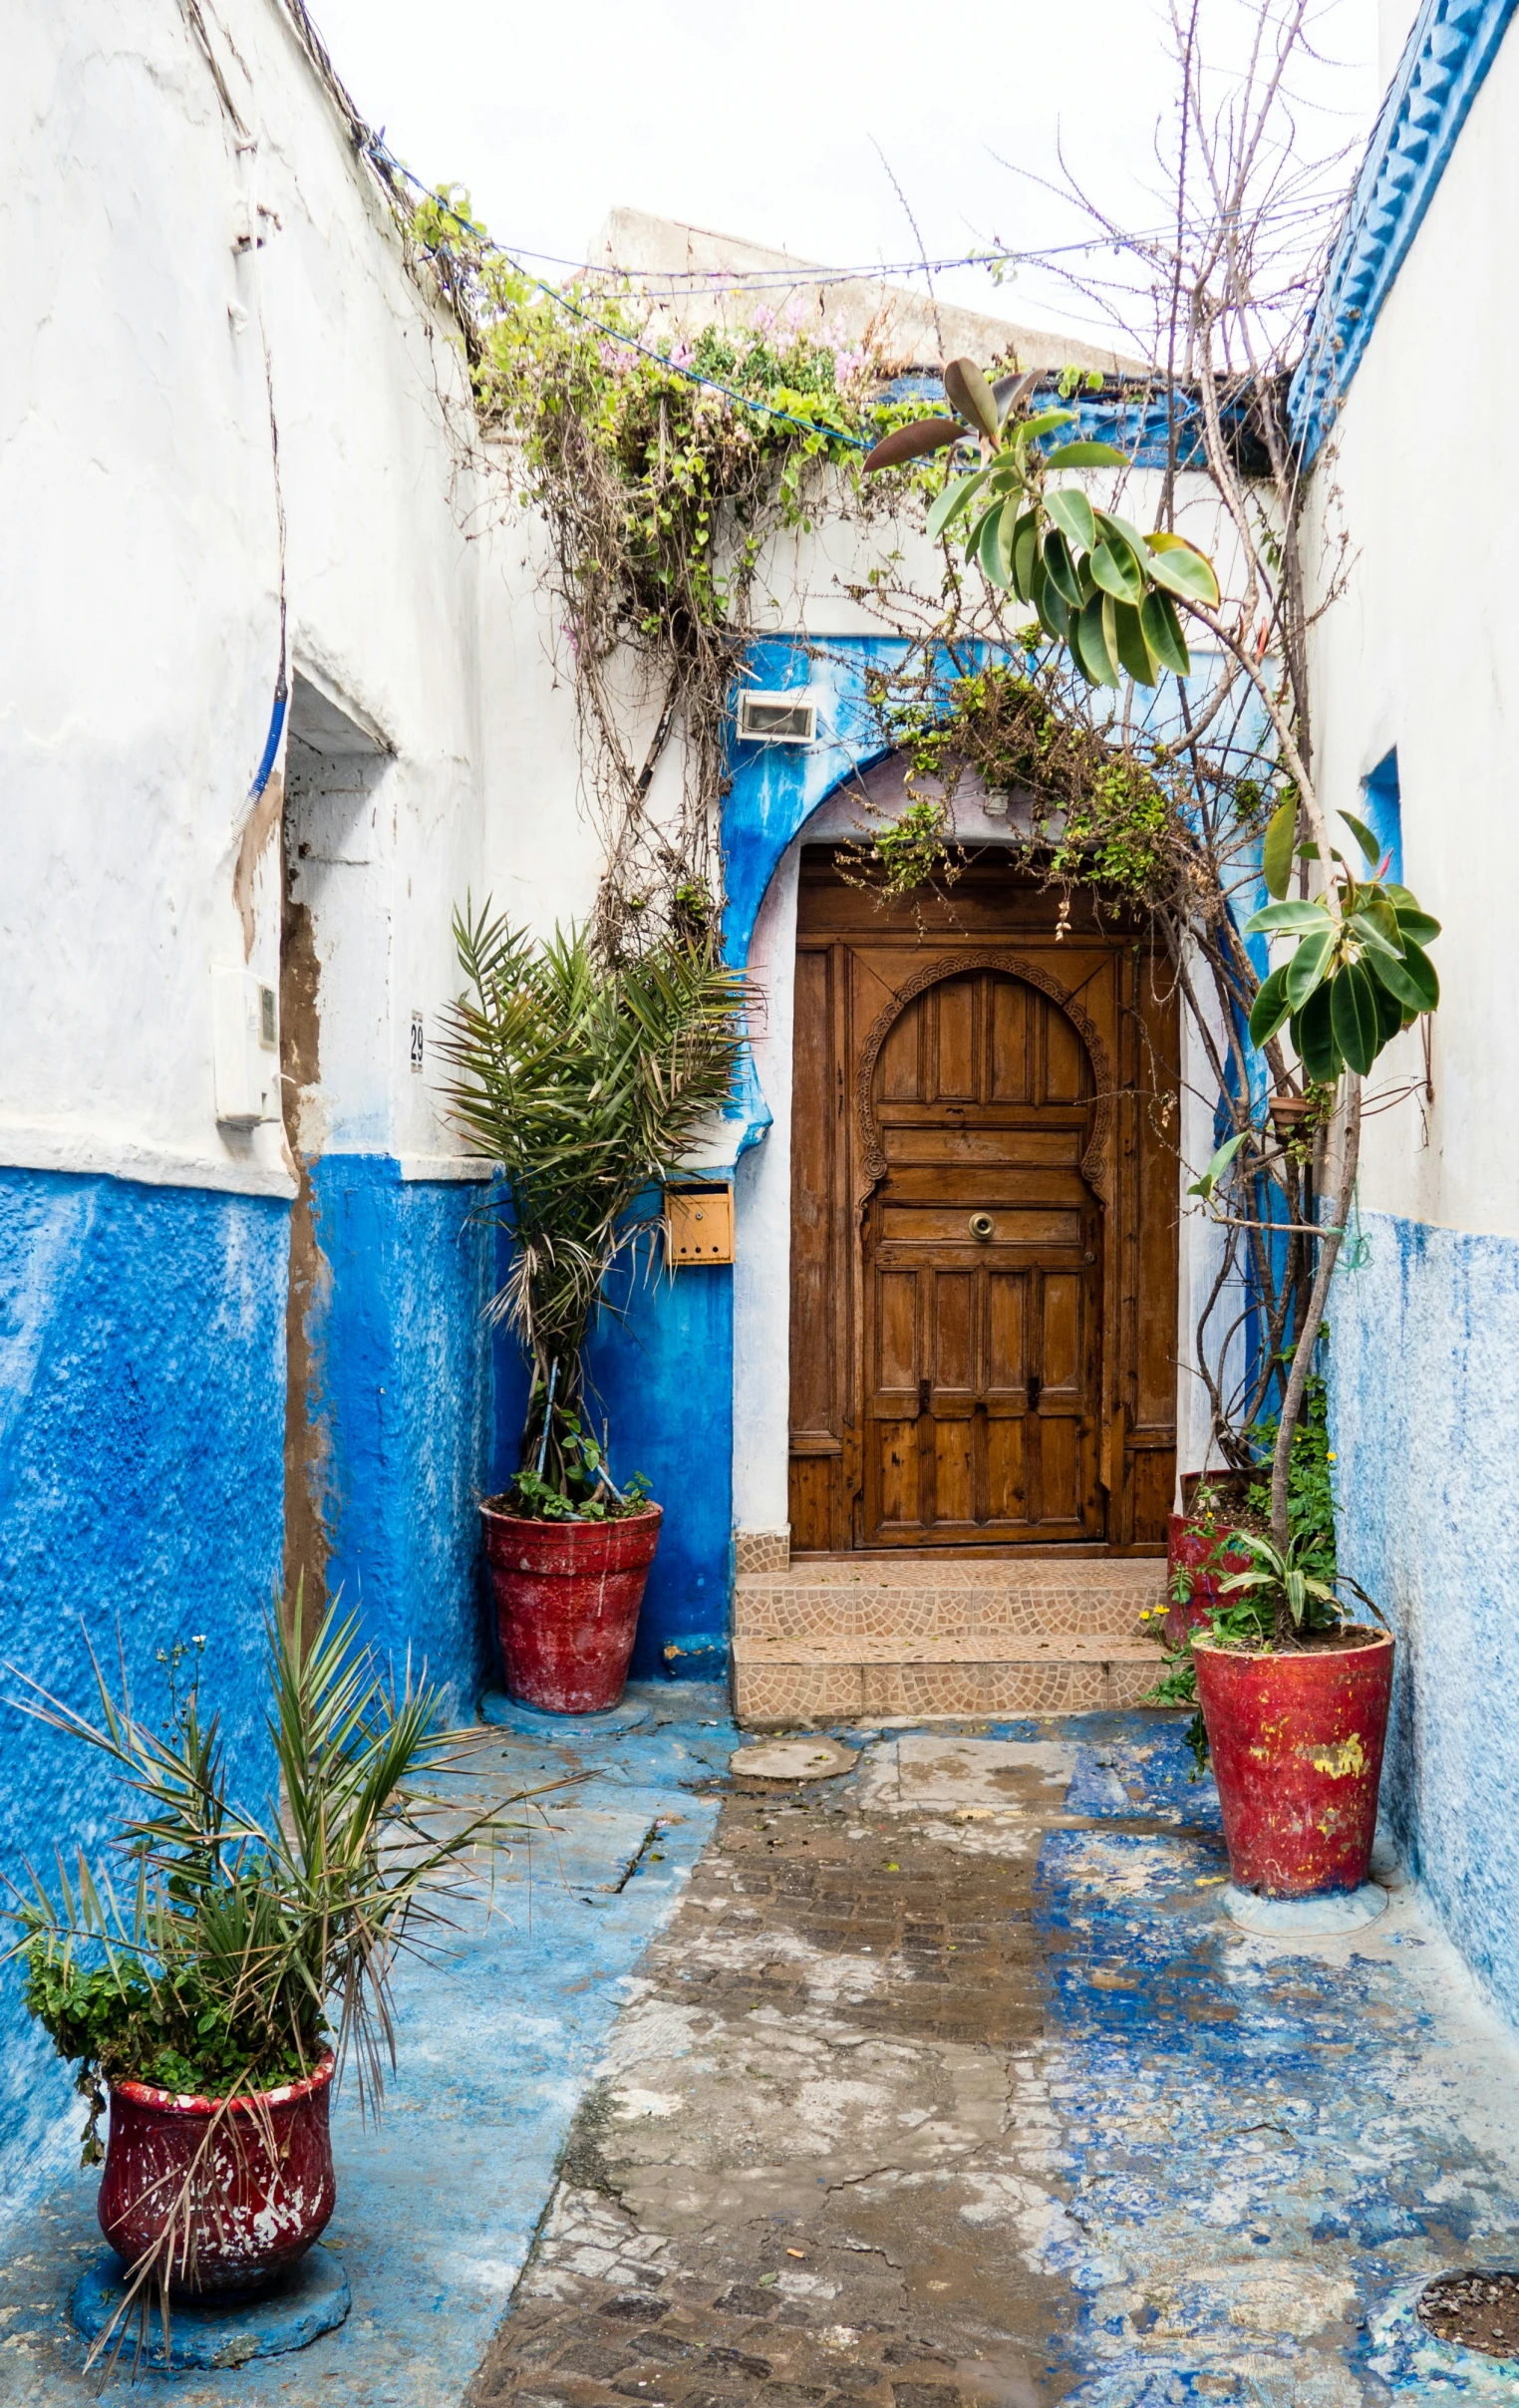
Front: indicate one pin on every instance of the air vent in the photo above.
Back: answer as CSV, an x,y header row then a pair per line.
x,y
777,719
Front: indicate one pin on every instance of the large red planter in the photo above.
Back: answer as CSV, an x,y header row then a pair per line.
x,y
1188,1546
1297,1743
234,2191
567,1596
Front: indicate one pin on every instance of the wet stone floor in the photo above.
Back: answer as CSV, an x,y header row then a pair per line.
x,y
940,2082
949,2083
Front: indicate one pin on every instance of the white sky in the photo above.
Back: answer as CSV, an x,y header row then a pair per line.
x,y
761,121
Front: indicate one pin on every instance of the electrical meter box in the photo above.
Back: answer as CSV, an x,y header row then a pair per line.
x,y
246,1048
700,1214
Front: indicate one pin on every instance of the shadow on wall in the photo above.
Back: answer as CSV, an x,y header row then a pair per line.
x,y
661,1378
1424,1414
142,1409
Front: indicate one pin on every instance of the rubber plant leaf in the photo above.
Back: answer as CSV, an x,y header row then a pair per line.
x,y
995,563
1378,930
1363,837
1162,633
1044,421
1306,970
1278,847
1117,571
1088,456
1009,391
1390,1013
1270,1008
1133,652
1414,980
1049,602
972,396
925,434
1074,514
1025,554
1180,565
1295,913
1353,1016
1413,923
1060,568
1205,1186
958,494
1096,641
1314,1037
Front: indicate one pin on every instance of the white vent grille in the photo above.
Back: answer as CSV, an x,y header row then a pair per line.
x,y
777,719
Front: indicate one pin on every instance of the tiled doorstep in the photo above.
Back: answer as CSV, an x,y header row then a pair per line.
x,y
784,1682
914,1601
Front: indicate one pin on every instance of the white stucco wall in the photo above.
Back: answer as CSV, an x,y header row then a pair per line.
x,y
157,363
1417,653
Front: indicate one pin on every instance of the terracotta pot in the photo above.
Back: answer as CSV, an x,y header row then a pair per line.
x,y
567,1596
1297,1743
1187,1546
259,2175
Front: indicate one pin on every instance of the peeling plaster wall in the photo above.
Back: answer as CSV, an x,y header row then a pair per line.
x,y
1426,1336
176,295
141,1400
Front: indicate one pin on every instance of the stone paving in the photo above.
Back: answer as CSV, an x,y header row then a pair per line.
x,y
939,2083
948,2084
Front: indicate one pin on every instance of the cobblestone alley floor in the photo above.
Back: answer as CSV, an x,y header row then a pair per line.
x,y
938,2084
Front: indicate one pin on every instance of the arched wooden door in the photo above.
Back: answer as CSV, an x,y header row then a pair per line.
x,y
980,1054
982,1271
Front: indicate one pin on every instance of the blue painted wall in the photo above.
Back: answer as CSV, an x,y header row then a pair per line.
x,y
142,1501
401,1380
1425,1401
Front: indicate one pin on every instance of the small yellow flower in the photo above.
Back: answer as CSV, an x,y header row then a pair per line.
x,y
1333,1458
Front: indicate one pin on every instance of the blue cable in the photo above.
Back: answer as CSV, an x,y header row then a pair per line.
x,y
377,150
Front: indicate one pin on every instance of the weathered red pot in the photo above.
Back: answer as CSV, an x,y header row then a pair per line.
x,y
567,1596
1188,1546
1297,1743
234,2191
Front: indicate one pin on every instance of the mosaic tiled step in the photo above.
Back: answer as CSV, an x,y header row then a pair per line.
x,y
934,1599
780,1680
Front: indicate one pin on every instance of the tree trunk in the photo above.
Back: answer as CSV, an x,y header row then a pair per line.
x,y
1307,1336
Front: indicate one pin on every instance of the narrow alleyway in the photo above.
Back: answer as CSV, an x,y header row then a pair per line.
x,y
933,2082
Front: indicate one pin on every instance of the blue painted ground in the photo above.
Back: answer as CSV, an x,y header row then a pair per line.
x,y
438,2203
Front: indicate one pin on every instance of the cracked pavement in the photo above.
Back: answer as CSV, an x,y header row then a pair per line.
x,y
948,2083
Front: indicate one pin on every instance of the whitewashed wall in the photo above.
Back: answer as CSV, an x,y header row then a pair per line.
x,y
1417,653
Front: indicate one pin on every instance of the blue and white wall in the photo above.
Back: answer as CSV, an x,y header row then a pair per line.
x,y
239,444
1416,690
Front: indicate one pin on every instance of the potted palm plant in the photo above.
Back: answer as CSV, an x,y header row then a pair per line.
x,y
586,1078
211,1987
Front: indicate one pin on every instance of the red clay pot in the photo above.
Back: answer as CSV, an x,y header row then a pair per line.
x,y
254,2209
567,1596
1187,1545
1297,1743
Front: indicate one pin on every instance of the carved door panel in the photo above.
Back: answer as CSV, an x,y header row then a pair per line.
x,y
981,1275
976,1060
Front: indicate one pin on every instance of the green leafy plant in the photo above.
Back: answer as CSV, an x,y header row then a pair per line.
x,y
223,1947
1360,971
1284,1596
1099,586
586,1079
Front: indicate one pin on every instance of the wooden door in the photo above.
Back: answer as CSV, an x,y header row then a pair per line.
x,y
981,1275
980,1055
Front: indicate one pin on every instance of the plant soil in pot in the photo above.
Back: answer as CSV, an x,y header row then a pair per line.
x,y
567,1595
226,2194
1297,1737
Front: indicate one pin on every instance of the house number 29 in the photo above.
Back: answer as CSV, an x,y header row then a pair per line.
x,y
417,1042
